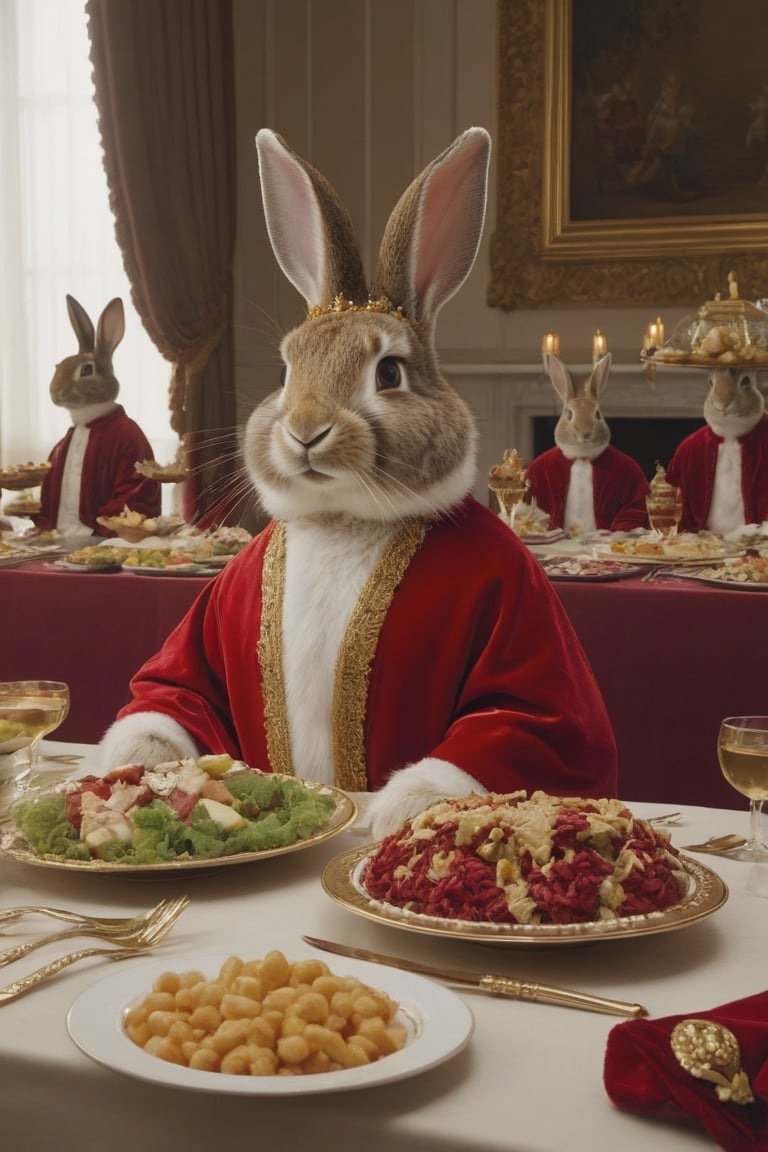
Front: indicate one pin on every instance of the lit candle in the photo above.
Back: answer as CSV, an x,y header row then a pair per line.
x,y
599,345
659,332
551,343
651,336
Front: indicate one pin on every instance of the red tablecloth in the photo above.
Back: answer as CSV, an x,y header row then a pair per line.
x,y
93,630
671,657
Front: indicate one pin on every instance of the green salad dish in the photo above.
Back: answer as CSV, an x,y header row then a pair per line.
x,y
187,814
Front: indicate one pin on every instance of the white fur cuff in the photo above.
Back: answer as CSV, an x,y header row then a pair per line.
x,y
146,738
415,788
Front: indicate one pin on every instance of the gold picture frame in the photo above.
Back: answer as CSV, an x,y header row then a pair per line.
x,y
539,255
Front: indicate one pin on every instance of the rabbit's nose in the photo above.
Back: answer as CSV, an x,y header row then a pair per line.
x,y
309,440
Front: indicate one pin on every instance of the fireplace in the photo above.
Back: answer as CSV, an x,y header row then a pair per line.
x,y
647,439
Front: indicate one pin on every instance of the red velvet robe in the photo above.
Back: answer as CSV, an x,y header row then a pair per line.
x,y
109,480
618,483
476,664
692,469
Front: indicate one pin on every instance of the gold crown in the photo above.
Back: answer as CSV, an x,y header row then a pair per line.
x,y
340,303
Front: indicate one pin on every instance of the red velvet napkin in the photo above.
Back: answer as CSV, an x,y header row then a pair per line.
x,y
641,1074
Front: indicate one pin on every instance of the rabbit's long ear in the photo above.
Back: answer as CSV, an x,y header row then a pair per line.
x,y
599,377
82,324
309,228
110,330
559,376
432,237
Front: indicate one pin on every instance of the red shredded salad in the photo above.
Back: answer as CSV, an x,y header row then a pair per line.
x,y
510,859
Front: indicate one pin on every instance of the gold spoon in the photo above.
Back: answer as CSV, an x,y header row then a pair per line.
x,y
717,844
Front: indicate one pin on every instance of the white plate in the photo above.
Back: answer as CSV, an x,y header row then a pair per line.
x,y
548,537
100,566
438,1021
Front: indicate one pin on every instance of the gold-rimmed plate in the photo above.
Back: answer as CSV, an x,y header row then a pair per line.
x,y
665,558
190,569
14,847
586,570
341,880
723,577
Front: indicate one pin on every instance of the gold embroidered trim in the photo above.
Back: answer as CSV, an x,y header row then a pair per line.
x,y
353,665
270,653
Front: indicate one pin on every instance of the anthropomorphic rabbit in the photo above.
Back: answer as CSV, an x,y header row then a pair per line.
x,y
385,632
92,470
722,468
584,483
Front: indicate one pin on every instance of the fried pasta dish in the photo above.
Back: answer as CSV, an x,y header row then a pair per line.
x,y
514,859
266,1017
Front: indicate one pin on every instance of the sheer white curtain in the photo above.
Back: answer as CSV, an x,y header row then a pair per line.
x,y
57,233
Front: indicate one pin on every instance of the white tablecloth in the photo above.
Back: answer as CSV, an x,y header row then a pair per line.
x,y
530,1078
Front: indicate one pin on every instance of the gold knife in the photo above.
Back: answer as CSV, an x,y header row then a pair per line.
x,y
496,985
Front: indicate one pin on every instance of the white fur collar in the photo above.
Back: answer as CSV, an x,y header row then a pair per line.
x,y
90,412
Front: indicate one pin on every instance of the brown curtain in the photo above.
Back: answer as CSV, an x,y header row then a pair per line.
x,y
163,72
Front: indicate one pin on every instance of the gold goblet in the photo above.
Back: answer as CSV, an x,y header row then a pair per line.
x,y
742,749
29,710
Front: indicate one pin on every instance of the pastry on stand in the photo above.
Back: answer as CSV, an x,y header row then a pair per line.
x,y
508,483
664,503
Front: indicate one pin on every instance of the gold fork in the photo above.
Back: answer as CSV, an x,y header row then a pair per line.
x,y
146,938
123,932
8,915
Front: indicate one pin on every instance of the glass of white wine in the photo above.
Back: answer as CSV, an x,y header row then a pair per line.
x,y
29,710
742,749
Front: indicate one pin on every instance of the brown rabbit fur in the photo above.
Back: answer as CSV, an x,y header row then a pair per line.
x,y
87,377
385,631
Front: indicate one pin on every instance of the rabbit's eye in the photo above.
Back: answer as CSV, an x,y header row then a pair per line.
x,y
598,415
283,374
745,383
86,370
388,374
569,413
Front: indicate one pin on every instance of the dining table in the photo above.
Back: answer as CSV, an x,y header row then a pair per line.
x,y
527,1078
672,656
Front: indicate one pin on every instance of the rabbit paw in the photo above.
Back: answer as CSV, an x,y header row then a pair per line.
x,y
415,788
147,738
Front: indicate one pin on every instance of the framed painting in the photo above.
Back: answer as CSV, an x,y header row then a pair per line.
x,y
632,153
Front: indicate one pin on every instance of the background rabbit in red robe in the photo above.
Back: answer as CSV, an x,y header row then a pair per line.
x,y
584,483
722,468
93,470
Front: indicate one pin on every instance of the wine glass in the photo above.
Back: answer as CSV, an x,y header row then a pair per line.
x,y
742,749
29,710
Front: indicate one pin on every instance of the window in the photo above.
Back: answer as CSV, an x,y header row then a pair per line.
x,y
57,233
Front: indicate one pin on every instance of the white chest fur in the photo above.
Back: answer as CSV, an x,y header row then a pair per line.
x,y
726,511
68,521
580,498
326,568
